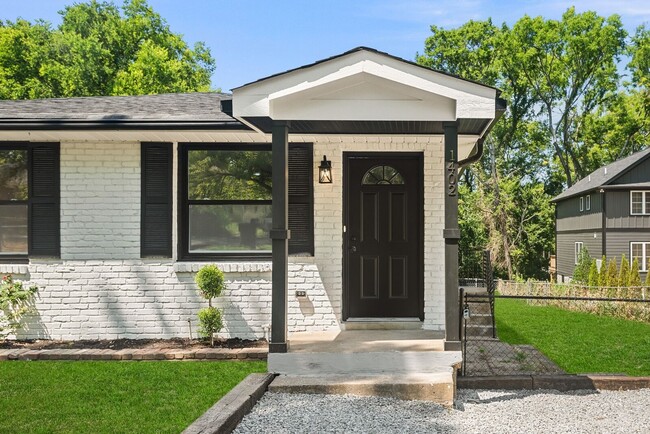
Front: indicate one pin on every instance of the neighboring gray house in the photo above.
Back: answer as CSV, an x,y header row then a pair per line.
x,y
110,204
608,212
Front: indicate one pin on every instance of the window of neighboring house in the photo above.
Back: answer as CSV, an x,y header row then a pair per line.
x,y
639,202
588,202
641,252
582,203
578,248
29,200
226,196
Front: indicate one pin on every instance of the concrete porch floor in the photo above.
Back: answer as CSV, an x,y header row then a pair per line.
x,y
366,341
407,364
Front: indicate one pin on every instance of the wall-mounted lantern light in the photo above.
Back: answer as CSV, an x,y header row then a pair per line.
x,y
325,171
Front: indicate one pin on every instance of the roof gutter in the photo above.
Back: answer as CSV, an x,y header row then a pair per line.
x,y
500,110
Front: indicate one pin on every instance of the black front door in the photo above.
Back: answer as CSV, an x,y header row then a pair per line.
x,y
382,239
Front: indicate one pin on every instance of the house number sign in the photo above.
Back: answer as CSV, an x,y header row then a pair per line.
x,y
452,178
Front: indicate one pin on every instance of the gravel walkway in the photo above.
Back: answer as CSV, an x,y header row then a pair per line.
x,y
478,411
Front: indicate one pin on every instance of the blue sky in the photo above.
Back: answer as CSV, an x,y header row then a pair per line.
x,y
252,39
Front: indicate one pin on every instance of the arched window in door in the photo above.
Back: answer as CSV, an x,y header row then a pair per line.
x,y
382,175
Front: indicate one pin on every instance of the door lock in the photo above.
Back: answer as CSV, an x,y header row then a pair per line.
x,y
353,249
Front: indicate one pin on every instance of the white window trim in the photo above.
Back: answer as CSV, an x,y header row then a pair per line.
x,y
582,203
588,202
644,211
578,246
645,251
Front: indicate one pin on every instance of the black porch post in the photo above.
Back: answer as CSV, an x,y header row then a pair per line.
x,y
280,238
451,234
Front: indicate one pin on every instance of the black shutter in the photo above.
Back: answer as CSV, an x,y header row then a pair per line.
x,y
156,225
301,199
44,219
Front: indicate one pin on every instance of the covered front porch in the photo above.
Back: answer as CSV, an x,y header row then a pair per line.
x,y
385,225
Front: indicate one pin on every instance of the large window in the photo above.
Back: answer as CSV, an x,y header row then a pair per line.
x,y
14,201
29,200
226,193
641,252
639,202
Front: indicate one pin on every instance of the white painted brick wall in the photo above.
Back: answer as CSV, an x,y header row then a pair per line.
x,y
328,216
148,299
100,201
101,289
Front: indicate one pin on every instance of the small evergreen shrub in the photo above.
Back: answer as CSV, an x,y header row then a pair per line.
x,y
612,273
624,273
581,272
210,322
593,274
211,283
635,276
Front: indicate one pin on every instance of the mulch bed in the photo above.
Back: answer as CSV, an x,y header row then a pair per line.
x,y
120,344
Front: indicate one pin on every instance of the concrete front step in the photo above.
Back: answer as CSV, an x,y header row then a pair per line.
x,y
375,324
393,362
436,387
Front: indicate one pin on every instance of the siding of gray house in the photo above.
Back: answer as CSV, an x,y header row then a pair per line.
x,y
570,218
636,174
618,212
618,243
566,248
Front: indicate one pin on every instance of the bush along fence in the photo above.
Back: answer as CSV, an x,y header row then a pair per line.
x,y
631,303
542,328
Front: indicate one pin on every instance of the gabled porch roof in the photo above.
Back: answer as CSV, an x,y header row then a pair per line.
x,y
365,91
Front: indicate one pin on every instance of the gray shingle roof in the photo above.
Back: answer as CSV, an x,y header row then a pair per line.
x,y
178,107
602,176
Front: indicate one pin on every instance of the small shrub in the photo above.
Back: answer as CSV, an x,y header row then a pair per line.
x,y
635,277
211,284
210,322
602,273
581,272
15,302
210,281
624,273
593,274
612,273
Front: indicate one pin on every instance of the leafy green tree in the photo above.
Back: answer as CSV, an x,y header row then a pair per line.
x,y
99,49
624,272
570,67
635,276
593,274
581,271
612,273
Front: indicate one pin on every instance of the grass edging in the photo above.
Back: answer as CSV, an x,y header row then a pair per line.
x,y
562,383
225,415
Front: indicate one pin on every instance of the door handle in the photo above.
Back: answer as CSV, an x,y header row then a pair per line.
x,y
353,249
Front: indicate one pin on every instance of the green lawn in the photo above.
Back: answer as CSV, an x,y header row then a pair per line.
x,y
112,397
577,342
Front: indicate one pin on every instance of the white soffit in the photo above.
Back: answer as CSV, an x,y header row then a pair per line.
x,y
364,85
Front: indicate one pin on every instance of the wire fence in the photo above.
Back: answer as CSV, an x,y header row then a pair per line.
x,y
621,302
484,354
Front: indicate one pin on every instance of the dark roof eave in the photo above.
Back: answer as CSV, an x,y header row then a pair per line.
x,y
65,125
595,188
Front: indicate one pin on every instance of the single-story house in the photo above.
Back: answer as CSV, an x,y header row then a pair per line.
x,y
607,212
327,194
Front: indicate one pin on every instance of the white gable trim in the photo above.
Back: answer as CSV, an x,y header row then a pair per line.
x,y
303,93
